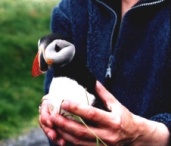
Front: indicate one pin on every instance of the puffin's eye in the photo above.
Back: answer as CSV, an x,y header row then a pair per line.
x,y
57,48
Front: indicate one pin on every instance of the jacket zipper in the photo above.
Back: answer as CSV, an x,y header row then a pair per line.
x,y
148,4
111,57
141,5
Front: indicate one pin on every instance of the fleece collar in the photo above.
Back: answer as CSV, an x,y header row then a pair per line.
x,y
140,3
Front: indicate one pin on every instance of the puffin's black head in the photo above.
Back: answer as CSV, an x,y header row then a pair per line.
x,y
52,49
46,40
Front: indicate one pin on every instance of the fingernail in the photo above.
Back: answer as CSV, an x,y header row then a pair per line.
x,y
49,123
109,108
50,136
64,104
59,144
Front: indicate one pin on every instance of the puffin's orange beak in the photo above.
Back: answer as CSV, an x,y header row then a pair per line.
x,y
36,66
39,64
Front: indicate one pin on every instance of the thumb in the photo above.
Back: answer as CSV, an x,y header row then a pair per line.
x,y
107,98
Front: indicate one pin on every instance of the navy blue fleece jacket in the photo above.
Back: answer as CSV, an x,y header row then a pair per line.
x,y
141,65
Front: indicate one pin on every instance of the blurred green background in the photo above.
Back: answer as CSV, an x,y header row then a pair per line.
x,y
22,23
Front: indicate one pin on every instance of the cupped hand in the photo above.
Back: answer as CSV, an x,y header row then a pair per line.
x,y
116,127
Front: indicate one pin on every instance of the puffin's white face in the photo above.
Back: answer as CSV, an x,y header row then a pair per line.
x,y
59,52
63,56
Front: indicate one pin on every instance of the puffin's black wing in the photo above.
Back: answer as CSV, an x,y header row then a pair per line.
x,y
79,72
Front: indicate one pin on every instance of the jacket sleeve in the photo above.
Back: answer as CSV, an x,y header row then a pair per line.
x,y
164,118
60,22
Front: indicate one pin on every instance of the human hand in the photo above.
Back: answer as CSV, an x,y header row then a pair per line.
x,y
118,127
45,123
110,126
115,128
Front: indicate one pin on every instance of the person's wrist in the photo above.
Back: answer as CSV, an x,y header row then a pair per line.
x,y
150,133
161,134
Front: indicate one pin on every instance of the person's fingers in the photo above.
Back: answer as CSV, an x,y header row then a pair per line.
x,y
78,140
103,93
44,119
44,114
86,112
74,131
45,123
71,127
59,142
107,98
51,133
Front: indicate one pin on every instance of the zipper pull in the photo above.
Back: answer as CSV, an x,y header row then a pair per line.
x,y
109,69
108,72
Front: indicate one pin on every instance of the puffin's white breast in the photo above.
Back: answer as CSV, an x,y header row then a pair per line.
x,y
63,88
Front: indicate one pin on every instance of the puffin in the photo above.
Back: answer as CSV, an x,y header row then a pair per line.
x,y
72,79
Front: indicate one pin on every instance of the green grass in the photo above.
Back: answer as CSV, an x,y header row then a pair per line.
x,y
22,23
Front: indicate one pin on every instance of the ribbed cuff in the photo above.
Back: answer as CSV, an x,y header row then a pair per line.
x,y
164,118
